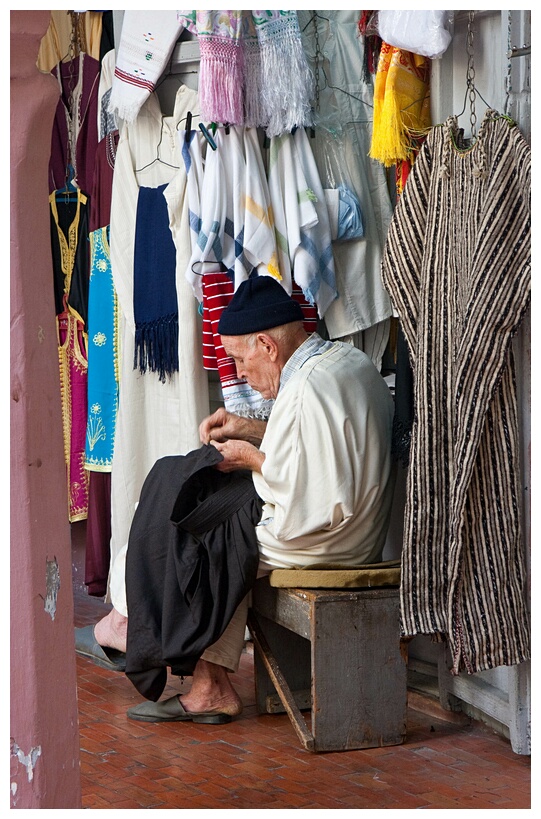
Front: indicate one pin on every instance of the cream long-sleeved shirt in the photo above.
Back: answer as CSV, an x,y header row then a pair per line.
x,y
327,478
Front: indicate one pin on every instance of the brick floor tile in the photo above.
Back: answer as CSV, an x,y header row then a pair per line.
x,y
257,761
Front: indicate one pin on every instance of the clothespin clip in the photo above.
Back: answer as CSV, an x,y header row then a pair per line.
x,y
266,142
312,132
207,136
213,127
226,124
188,126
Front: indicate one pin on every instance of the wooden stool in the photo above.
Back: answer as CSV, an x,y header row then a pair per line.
x,y
335,651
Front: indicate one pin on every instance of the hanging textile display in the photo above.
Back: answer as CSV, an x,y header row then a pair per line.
x,y
302,221
75,128
106,120
155,306
146,42
69,237
233,236
73,381
457,265
103,352
84,27
102,356
372,45
221,70
236,238
285,84
103,372
336,54
401,109
69,213
154,418
253,69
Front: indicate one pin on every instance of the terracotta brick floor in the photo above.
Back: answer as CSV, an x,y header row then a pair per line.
x,y
257,761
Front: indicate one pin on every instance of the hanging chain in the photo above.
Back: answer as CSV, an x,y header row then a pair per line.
x,y
316,58
76,45
508,76
470,74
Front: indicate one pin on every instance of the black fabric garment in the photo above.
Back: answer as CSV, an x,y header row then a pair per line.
x,y
192,557
403,413
79,274
107,41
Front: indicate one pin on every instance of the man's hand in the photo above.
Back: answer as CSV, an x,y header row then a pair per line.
x,y
238,455
223,426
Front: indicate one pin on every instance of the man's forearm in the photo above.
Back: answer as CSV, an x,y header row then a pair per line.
x,y
252,430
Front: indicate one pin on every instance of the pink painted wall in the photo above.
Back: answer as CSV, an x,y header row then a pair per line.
x,y
44,723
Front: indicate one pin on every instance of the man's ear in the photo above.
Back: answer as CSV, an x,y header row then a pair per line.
x,y
269,345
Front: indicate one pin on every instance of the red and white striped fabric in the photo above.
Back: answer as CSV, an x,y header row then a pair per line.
x,y
238,396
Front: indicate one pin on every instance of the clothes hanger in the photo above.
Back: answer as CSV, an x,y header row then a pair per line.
x,y
69,190
327,84
221,267
157,158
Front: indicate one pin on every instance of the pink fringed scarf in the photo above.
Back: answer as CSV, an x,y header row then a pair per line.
x,y
222,62
254,70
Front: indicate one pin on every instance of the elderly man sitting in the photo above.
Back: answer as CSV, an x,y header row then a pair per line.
x,y
321,469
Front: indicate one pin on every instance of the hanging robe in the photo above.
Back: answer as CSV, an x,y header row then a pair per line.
x,y
69,238
457,265
74,139
154,418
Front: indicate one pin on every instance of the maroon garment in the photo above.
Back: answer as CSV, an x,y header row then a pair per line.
x,y
82,76
98,527
102,185
98,534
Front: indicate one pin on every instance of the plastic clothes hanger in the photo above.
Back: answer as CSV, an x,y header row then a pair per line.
x,y
70,189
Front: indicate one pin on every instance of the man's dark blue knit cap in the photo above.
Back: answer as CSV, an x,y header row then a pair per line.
x,y
259,303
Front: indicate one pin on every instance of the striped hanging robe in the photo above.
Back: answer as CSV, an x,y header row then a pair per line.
x,y
457,266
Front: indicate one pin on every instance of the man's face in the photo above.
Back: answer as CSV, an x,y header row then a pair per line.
x,y
255,363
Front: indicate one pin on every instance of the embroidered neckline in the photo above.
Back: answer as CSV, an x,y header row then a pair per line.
x,y
110,148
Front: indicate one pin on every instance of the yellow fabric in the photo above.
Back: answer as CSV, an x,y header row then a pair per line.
x,y
337,577
55,44
401,104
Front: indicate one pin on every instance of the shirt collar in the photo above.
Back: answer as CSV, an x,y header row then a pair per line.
x,y
314,345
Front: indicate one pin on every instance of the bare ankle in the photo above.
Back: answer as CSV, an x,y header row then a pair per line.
x,y
112,630
212,691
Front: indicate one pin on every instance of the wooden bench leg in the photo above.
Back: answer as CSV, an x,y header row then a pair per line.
x,y
358,675
279,682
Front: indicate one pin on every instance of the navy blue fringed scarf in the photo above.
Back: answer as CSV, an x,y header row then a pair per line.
x,y
155,303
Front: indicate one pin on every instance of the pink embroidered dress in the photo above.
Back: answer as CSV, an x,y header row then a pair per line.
x,y
69,234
